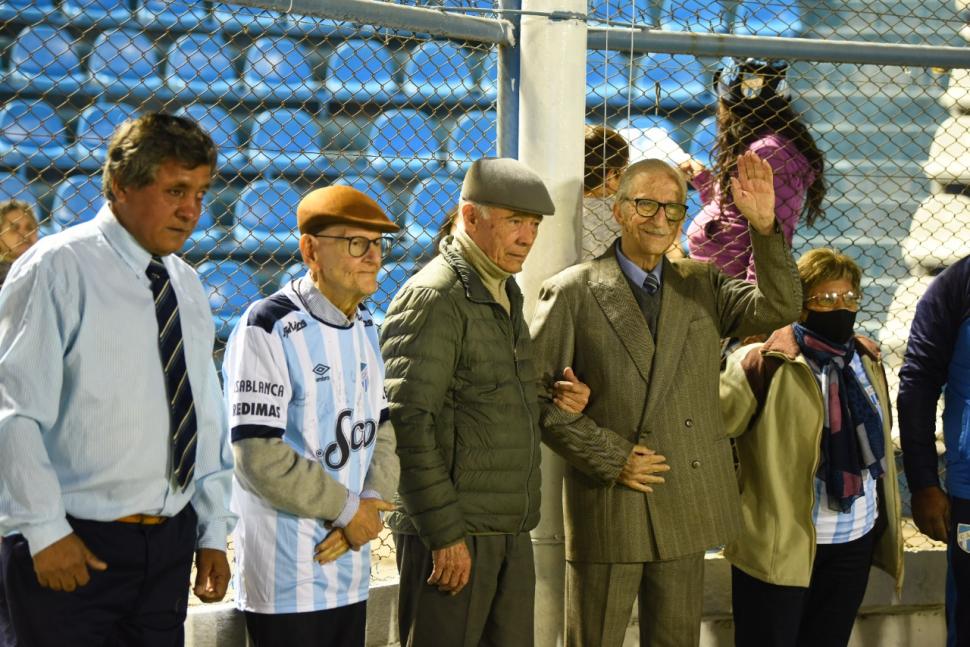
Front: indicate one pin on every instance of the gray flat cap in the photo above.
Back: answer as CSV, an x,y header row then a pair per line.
x,y
508,184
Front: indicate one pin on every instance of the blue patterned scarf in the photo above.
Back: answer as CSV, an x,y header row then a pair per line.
x,y
852,436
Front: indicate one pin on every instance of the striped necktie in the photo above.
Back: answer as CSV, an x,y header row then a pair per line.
x,y
180,404
651,284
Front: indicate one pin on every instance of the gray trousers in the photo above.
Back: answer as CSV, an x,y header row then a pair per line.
x,y
495,609
599,599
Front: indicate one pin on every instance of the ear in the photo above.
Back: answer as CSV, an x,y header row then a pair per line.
x,y
469,216
617,215
308,250
117,191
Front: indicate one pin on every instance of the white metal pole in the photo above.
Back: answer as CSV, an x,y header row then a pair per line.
x,y
552,111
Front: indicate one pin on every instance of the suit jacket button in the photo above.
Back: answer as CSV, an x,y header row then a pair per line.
x,y
689,422
695,464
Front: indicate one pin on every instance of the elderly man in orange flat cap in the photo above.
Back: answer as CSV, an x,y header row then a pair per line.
x,y
315,455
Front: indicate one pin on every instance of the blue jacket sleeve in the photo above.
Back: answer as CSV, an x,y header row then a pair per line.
x,y
939,314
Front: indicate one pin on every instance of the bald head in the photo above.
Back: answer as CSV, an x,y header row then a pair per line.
x,y
651,168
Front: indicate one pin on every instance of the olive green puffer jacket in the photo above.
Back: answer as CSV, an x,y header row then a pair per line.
x,y
461,383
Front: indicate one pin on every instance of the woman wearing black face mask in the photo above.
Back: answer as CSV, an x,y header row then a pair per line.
x,y
811,413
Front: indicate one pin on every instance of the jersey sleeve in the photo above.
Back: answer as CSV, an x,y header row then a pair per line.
x,y
257,383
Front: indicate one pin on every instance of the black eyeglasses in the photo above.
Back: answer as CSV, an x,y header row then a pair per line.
x,y
357,246
646,208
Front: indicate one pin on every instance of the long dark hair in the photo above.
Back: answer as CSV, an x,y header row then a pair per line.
x,y
742,122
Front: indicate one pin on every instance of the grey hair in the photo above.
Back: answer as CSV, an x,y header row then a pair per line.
x,y
651,166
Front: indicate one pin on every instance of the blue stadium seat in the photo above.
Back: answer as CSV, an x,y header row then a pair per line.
x,y
45,60
290,273
403,144
487,74
608,76
224,132
430,202
390,278
265,218
277,70
231,287
693,15
454,4
769,18
31,133
621,11
475,135
200,68
376,189
702,143
436,74
12,186
96,13
360,71
286,141
236,19
77,199
313,27
173,15
95,126
123,64
30,12
681,80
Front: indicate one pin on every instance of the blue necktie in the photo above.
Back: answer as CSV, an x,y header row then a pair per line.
x,y
651,284
180,404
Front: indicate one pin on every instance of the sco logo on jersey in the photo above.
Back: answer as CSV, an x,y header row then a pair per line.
x,y
350,438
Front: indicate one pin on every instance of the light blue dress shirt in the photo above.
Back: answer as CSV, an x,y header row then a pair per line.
x,y
636,274
84,418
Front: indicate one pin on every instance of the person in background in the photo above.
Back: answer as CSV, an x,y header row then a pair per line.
x,y
754,113
18,233
937,362
607,154
820,502
115,465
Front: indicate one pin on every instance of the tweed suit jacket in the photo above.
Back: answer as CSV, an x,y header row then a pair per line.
x,y
662,395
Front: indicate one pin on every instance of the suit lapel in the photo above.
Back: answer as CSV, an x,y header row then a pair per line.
x,y
671,332
612,293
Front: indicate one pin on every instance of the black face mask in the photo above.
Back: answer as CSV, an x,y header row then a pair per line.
x,y
834,325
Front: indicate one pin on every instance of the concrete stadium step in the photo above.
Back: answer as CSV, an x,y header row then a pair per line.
x,y
822,105
873,141
911,31
878,257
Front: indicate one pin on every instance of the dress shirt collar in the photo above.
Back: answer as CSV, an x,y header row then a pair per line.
x,y
320,306
122,241
636,274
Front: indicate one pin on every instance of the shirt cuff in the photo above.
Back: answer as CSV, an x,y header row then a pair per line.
x,y
213,535
40,536
350,509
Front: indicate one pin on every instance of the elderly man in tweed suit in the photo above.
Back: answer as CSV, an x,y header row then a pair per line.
x,y
649,482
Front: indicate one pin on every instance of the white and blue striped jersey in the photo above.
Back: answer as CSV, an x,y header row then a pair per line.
x,y
320,388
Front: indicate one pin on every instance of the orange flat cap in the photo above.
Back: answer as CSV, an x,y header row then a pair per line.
x,y
340,205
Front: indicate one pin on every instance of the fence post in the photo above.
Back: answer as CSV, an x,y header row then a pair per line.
x,y
552,108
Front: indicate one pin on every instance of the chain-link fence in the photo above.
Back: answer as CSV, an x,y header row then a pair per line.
x,y
894,141
295,103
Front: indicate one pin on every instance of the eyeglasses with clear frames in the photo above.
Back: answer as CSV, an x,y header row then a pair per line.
x,y
357,246
646,208
850,298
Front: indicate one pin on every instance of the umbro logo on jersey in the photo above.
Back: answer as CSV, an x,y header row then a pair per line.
x,y
293,326
322,372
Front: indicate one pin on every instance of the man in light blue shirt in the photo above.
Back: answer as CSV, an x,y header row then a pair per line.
x,y
114,464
